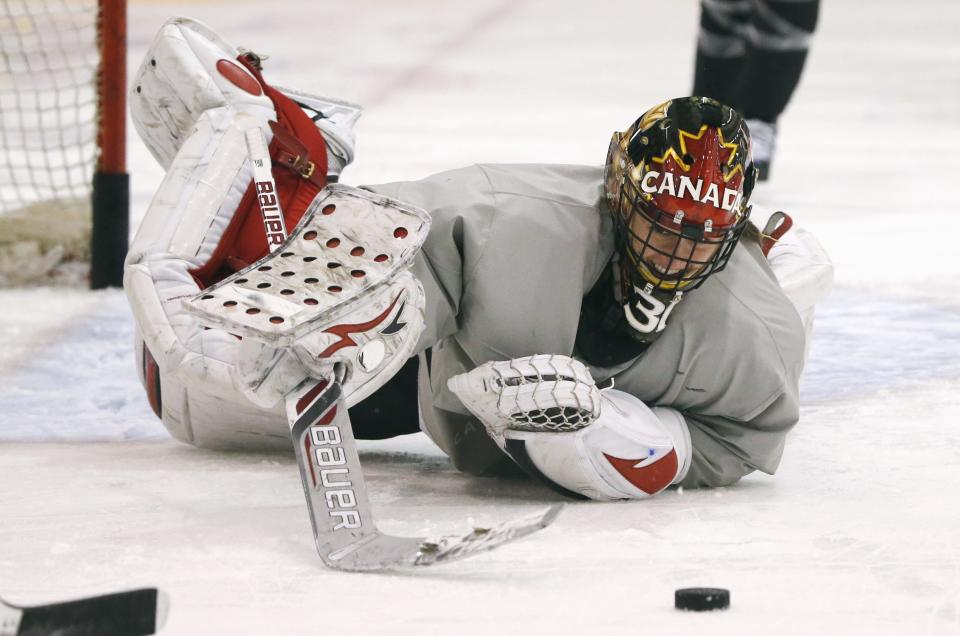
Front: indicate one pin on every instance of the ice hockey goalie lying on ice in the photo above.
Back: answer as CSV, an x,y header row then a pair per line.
x,y
610,329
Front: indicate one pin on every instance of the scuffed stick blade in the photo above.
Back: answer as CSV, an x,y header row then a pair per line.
x,y
378,551
133,613
344,529
484,539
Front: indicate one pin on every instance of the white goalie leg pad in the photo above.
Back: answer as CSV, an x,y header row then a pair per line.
x,y
207,396
629,452
182,226
199,195
189,69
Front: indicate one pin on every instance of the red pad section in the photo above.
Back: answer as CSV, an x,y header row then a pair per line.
x,y
239,77
310,396
151,380
782,222
343,331
651,478
296,144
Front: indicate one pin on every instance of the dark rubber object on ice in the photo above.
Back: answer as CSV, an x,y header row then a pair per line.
x,y
701,599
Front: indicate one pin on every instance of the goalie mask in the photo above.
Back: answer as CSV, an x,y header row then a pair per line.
x,y
678,183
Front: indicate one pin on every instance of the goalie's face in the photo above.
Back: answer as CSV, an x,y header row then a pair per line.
x,y
664,256
664,249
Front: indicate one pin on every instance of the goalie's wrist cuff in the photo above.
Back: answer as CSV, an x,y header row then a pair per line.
x,y
677,427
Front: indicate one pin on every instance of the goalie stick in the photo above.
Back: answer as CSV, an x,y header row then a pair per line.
x,y
345,533
133,613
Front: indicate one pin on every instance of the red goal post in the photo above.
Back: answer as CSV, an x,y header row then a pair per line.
x,y
111,183
64,188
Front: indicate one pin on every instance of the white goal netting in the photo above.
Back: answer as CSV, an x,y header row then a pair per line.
x,y
48,110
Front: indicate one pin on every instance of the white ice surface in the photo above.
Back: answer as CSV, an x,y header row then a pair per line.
x,y
858,533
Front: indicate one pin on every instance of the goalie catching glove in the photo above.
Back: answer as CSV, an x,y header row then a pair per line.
x,y
548,415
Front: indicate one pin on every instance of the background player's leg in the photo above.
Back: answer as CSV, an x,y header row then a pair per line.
x,y
778,39
721,48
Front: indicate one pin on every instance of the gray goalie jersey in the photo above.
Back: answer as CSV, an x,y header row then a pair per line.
x,y
512,252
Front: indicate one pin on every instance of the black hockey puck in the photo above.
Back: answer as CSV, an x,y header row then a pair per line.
x,y
701,599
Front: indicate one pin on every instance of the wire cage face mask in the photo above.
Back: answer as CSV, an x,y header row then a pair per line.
x,y
664,250
678,192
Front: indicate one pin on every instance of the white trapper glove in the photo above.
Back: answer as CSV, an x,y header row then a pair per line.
x,y
547,413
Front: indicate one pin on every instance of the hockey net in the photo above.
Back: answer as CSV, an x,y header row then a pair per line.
x,y
51,136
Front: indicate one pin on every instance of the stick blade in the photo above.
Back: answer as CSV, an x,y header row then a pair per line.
x,y
379,551
485,539
132,613
372,552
